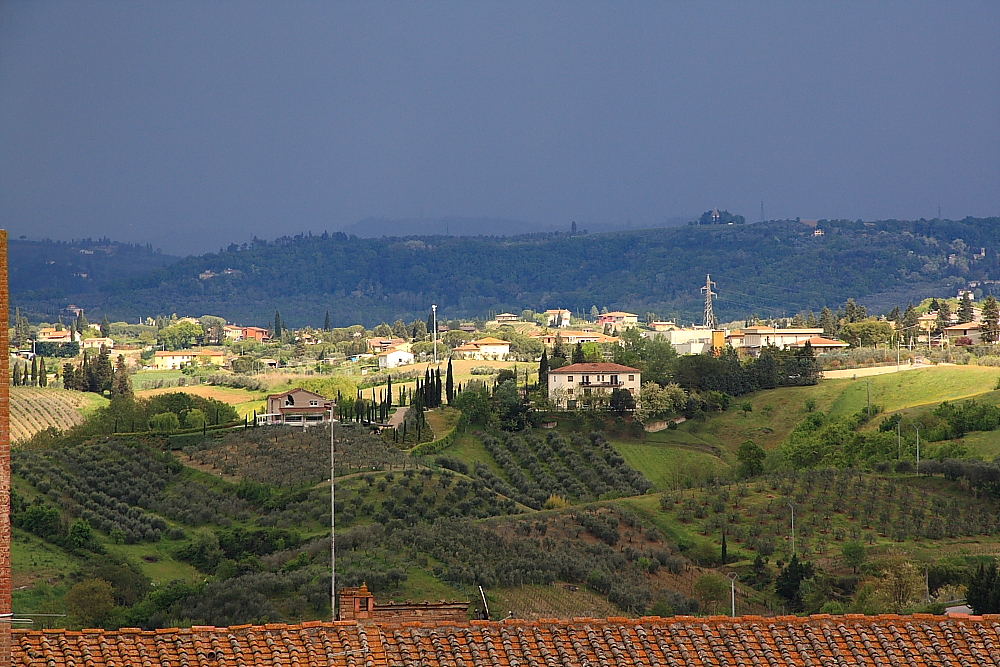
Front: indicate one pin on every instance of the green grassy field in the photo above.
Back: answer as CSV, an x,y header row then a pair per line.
x,y
897,391
671,465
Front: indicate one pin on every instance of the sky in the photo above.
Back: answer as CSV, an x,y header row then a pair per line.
x,y
190,125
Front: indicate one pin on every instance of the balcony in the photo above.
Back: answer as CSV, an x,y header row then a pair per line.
x,y
609,383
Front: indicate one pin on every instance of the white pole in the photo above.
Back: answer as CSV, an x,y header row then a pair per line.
x,y
333,530
732,584
434,311
917,426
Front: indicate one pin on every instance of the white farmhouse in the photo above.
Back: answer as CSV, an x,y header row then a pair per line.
x,y
576,383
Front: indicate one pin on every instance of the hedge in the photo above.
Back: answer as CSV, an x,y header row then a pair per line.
x,y
442,443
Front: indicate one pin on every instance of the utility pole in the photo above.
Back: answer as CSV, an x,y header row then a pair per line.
x,y
792,505
333,525
917,427
732,588
434,312
868,383
710,321
899,439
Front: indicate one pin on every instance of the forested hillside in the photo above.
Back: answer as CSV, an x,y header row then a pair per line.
x,y
771,268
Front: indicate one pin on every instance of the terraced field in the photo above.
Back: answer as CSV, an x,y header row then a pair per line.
x,y
34,409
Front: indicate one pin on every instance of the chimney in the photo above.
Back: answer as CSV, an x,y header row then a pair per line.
x,y
5,533
356,604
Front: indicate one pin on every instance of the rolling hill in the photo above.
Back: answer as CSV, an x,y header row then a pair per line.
x,y
773,268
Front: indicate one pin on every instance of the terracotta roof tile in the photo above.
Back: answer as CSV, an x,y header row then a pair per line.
x,y
749,641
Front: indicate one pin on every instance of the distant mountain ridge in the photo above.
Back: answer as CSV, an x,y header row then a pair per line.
x,y
473,226
773,268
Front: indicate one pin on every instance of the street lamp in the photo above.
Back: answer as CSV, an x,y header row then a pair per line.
x,y
792,505
732,586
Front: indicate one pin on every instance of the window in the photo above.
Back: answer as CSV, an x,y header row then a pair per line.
x,y
289,400
586,391
569,379
585,379
571,405
631,378
569,391
313,403
363,604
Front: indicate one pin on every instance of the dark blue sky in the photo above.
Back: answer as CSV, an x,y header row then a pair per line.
x,y
193,124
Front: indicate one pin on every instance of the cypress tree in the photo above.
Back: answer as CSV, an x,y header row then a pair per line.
x,y
43,376
449,384
277,324
437,388
543,371
578,356
326,322
16,379
34,372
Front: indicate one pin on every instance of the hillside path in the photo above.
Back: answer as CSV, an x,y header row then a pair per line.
x,y
396,419
874,370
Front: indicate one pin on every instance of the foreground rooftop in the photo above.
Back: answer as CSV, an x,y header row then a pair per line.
x,y
683,641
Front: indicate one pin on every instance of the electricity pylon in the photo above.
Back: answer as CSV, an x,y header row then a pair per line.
x,y
707,290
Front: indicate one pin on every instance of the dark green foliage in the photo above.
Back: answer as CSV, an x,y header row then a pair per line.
x,y
965,417
751,457
790,579
293,457
580,467
728,374
984,590
621,401
372,280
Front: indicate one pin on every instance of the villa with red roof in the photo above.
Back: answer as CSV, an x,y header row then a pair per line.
x,y
579,384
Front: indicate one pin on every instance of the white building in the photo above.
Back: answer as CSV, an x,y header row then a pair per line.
x,y
755,338
578,384
394,358
557,318
484,349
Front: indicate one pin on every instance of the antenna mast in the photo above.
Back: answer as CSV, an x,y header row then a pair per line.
x,y
707,290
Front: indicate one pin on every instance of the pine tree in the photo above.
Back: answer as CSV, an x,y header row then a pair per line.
x,y
934,306
895,315
594,313
122,385
965,313
827,322
105,327
811,321
81,323
326,322
851,311
449,385
943,317
69,376
991,320
558,350
43,376
578,356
